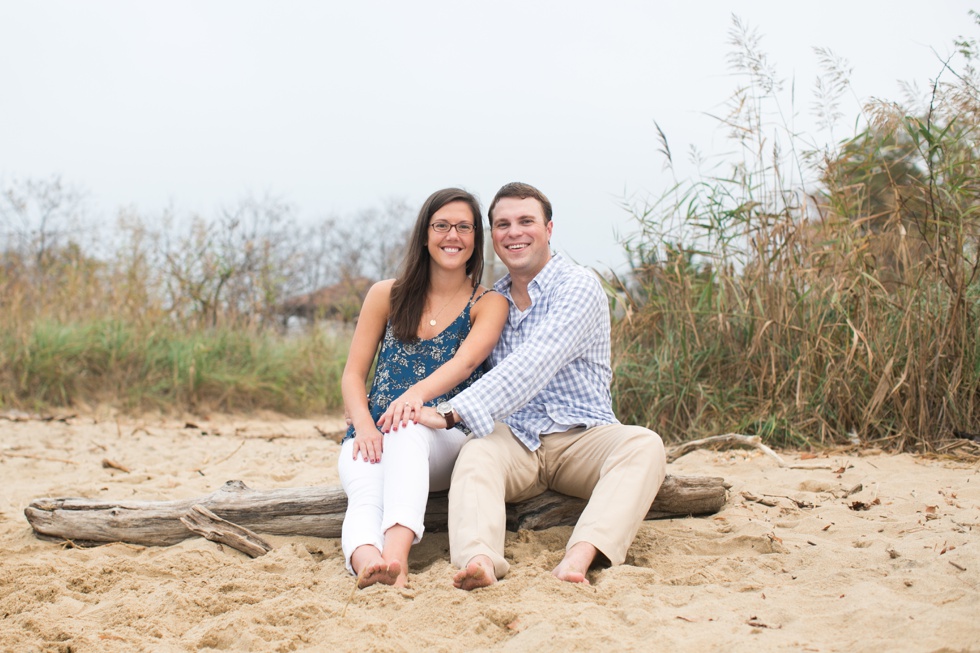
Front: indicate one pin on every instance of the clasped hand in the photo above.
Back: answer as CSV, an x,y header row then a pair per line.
x,y
403,410
415,414
408,408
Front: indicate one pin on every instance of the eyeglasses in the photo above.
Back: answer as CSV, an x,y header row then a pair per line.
x,y
444,227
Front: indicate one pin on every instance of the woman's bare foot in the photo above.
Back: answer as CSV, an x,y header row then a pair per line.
x,y
401,573
478,573
398,542
380,572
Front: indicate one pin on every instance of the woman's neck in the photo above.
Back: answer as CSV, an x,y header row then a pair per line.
x,y
446,281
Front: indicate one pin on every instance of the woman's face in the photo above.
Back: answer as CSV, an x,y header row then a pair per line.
x,y
451,249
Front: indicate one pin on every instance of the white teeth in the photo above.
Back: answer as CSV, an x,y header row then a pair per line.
x,y
514,247
451,250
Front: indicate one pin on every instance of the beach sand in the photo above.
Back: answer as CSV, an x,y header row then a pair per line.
x,y
893,566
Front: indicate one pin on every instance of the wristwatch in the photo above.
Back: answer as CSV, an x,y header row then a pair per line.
x,y
446,410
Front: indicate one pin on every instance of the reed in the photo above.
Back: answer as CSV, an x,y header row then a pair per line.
x,y
813,297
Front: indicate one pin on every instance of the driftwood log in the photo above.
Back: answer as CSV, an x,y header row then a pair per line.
x,y
316,511
208,525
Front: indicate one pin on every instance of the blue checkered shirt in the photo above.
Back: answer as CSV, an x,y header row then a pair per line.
x,y
551,365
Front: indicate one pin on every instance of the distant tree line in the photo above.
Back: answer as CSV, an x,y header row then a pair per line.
x,y
236,267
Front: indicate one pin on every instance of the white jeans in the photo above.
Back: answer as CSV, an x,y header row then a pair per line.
x,y
416,460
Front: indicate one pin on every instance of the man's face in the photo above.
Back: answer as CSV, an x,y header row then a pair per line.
x,y
520,235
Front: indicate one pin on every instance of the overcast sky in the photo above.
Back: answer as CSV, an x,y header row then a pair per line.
x,y
337,106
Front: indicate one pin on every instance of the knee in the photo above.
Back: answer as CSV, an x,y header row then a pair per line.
x,y
471,459
468,456
350,470
362,483
646,445
410,437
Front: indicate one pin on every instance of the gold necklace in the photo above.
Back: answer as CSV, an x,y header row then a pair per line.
x,y
432,322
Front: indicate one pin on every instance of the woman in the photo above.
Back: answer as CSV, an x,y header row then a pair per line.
x,y
436,325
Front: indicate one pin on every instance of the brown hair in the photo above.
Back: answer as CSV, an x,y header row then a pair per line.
x,y
521,191
408,291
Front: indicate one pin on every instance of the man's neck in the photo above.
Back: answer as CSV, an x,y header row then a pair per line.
x,y
519,286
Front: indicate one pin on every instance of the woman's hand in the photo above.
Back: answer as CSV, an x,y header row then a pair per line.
x,y
370,443
401,411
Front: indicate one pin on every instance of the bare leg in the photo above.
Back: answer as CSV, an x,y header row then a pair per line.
x,y
398,542
371,568
576,562
477,573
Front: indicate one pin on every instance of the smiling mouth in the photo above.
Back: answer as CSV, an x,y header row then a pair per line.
x,y
517,248
452,250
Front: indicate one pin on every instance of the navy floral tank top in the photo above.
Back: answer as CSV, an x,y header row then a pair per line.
x,y
401,364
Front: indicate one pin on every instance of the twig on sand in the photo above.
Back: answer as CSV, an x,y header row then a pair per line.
x,y
737,439
336,436
731,439
749,496
36,457
231,454
20,416
357,585
112,464
200,470
71,544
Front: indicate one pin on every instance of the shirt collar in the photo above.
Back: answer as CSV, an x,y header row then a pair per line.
x,y
541,280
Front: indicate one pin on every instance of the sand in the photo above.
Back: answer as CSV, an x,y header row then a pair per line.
x,y
811,573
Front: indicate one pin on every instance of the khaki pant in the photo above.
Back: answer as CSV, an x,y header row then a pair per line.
x,y
617,468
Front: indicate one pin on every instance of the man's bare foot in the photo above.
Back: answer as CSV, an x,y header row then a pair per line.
x,y
478,573
569,574
576,562
379,572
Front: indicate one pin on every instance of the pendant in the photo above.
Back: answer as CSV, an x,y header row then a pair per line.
x,y
432,322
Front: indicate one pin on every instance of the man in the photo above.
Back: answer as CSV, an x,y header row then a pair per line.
x,y
549,389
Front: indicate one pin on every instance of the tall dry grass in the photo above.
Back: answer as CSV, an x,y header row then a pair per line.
x,y
153,314
814,296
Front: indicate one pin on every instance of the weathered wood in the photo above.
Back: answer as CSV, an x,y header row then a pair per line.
x,y
316,511
679,496
208,525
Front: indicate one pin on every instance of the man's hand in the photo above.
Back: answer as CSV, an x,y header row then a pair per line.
x,y
429,417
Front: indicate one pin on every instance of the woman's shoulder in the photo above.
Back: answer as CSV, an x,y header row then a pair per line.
x,y
487,293
378,298
381,289
489,298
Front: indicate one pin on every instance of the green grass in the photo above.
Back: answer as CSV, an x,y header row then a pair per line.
x,y
52,364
